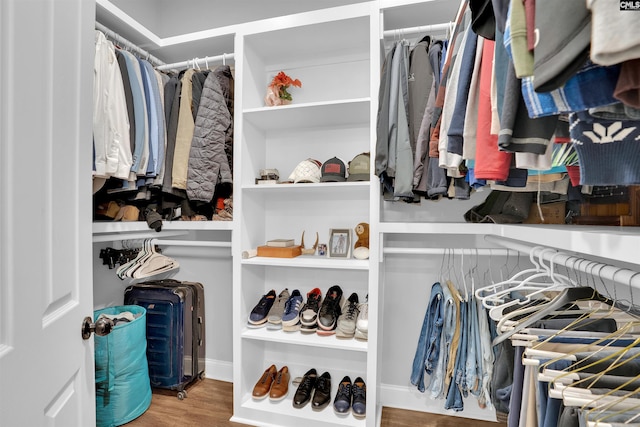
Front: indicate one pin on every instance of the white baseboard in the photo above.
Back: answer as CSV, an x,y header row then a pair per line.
x,y
219,370
399,397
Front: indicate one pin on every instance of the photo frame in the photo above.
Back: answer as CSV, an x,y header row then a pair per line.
x,y
339,243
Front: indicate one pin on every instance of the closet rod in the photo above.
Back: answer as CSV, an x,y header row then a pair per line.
x,y
199,243
420,29
121,41
449,251
623,276
197,61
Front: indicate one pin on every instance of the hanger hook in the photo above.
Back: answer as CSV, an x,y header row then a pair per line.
x,y
224,58
206,62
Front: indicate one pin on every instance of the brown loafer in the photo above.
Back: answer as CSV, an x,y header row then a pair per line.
x,y
280,386
262,387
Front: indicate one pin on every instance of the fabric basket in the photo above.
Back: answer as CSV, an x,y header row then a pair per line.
x,y
123,390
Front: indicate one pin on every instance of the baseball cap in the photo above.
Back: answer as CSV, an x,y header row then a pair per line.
x,y
307,171
359,168
333,170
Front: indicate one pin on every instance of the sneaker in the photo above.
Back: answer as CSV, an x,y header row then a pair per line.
x,y
330,310
362,324
359,404
347,321
309,311
342,402
274,318
258,316
291,316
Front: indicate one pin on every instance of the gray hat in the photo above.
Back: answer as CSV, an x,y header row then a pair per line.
x,y
563,30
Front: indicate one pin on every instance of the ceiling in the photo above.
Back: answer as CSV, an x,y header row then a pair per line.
x,y
177,31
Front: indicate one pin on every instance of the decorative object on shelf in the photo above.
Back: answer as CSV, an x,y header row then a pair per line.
x,y
282,243
277,93
306,171
285,252
311,250
340,243
361,247
268,176
322,249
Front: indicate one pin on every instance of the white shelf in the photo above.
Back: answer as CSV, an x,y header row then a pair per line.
x,y
353,190
310,115
306,415
310,261
434,228
299,338
133,226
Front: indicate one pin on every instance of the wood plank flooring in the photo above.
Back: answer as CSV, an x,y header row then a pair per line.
x,y
210,403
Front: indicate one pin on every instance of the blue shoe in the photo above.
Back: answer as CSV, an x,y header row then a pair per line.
x,y
359,405
258,316
342,402
291,316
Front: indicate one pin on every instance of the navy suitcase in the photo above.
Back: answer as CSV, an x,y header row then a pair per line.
x,y
175,331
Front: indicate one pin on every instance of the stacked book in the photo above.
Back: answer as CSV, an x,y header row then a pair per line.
x,y
280,248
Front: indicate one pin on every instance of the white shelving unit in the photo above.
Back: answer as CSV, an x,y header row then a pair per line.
x,y
334,54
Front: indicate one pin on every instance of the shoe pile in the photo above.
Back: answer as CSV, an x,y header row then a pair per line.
x,y
350,397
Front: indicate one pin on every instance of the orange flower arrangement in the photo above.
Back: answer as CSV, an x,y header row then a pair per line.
x,y
279,86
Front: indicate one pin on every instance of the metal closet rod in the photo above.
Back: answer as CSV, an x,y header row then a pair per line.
x,y
448,251
419,29
197,61
121,41
623,276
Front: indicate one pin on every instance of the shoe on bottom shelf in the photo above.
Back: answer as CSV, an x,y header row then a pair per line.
x,y
305,389
263,386
342,402
322,394
359,403
280,386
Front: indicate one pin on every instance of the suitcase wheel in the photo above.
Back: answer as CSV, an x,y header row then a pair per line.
x,y
182,394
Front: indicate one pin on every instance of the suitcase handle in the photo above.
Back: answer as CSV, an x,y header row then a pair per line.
x,y
200,323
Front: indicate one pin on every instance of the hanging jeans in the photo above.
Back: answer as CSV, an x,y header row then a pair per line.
x,y
454,394
426,355
448,330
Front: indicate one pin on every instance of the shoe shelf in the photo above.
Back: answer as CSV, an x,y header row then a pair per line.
x,y
310,261
299,338
356,189
276,411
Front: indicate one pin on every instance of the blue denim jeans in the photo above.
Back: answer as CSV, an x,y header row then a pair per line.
x,y
429,340
454,394
448,329
487,356
473,368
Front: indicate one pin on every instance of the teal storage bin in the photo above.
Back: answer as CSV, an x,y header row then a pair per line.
x,y
123,389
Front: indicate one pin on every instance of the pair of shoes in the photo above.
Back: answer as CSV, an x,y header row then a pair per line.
x,y
362,324
330,311
312,385
309,311
258,316
291,315
274,318
347,321
351,397
273,383
224,212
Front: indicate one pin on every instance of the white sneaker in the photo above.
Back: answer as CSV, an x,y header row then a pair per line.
x,y
362,324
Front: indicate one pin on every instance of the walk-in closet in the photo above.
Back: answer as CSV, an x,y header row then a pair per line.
x,y
486,197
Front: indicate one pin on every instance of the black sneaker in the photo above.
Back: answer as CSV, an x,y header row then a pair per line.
x,y
305,389
359,404
330,310
342,402
258,316
309,311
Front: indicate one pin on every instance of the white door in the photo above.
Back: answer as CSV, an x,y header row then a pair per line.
x,y
46,72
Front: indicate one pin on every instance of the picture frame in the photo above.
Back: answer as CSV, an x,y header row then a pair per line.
x,y
339,243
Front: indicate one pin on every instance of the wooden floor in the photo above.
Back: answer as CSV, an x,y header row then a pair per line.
x,y
209,403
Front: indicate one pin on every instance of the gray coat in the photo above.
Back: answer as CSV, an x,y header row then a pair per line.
x,y
208,163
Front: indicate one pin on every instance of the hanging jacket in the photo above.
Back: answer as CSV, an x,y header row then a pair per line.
x,y
208,163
